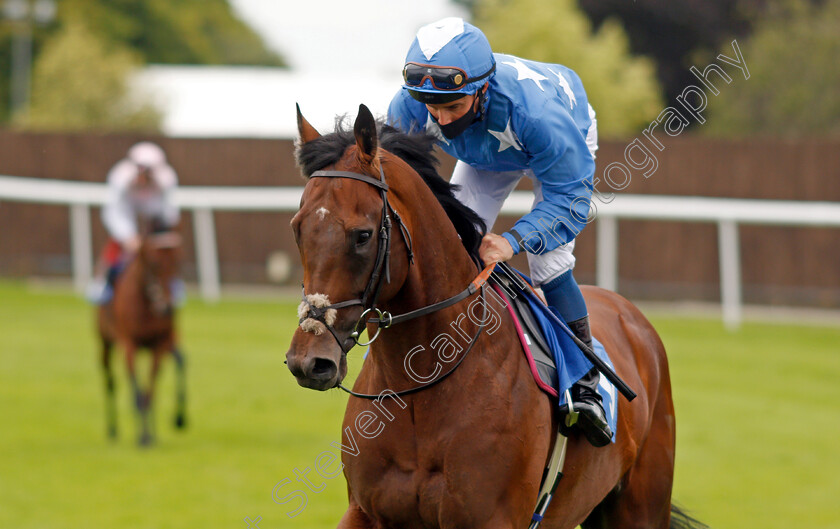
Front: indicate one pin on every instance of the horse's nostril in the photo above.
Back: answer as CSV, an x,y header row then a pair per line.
x,y
323,367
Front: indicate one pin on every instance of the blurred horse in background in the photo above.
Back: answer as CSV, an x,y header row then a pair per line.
x,y
141,315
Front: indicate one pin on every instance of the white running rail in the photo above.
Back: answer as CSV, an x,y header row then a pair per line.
x,y
727,213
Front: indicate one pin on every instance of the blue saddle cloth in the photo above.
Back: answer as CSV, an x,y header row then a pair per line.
x,y
570,362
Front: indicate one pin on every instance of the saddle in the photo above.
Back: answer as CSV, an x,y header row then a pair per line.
x,y
537,352
543,354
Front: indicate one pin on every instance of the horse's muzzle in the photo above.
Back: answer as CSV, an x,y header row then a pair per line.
x,y
315,372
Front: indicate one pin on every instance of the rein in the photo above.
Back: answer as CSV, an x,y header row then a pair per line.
x,y
477,284
153,291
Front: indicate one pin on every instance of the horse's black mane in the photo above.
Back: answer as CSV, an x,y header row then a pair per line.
x,y
417,151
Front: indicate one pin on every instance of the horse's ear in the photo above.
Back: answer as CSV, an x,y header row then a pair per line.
x,y
307,131
365,132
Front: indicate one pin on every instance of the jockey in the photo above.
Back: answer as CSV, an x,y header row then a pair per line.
x,y
139,192
503,118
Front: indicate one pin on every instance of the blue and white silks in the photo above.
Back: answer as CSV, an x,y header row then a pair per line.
x,y
571,363
537,117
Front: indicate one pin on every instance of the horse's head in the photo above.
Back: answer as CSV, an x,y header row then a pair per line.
x,y
159,256
351,259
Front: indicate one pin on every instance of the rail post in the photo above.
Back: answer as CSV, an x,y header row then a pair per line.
x,y
730,273
206,254
80,245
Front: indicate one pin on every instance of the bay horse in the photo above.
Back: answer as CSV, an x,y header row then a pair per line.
x,y
141,315
470,451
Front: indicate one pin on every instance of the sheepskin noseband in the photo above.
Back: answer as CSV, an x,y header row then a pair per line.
x,y
311,324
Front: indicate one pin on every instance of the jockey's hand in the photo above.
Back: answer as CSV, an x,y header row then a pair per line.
x,y
494,248
132,245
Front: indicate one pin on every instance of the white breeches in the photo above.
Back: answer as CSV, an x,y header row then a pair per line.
x,y
486,191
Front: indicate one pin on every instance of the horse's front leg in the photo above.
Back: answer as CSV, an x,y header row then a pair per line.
x,y
180,388
148,409
139,399
110,405
355,518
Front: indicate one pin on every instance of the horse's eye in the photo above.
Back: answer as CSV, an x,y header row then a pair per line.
x,y
363,237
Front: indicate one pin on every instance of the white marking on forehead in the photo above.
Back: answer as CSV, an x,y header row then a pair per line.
x,y
432,37
322,212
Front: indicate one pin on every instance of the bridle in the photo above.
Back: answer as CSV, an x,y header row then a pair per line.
x,y
152,283
154,291
381,269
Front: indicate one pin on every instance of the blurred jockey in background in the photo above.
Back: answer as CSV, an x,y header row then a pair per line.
x,y
140,193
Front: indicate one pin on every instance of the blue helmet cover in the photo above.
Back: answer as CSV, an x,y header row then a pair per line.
x,y
452,42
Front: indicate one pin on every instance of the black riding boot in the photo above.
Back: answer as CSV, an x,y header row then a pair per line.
x,y
111,276
585,397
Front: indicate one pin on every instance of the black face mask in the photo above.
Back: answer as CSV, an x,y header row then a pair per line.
x,y
455,128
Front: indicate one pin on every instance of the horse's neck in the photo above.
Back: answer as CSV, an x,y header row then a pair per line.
x,y
134,275
442,268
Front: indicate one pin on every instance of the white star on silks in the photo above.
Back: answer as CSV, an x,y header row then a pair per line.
x,y
610,390
523,72
564,84
507,138
434,129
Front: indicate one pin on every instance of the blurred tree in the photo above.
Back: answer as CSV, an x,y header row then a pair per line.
x,y
622,88
155,31
80,84
7,34
175,31
676,34
792,57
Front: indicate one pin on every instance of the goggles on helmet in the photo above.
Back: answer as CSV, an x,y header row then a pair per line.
x,y
441,77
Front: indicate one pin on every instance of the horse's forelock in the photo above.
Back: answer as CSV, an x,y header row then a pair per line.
x,y
324,151
417,150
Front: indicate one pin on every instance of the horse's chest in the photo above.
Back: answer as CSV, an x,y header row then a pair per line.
x,y
147,332
449,454
407,497
418,483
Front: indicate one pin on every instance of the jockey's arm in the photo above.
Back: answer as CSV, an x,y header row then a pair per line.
x,y
562,163
117,213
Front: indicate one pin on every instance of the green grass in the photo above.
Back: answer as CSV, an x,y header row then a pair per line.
x,y
757,416
758,423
